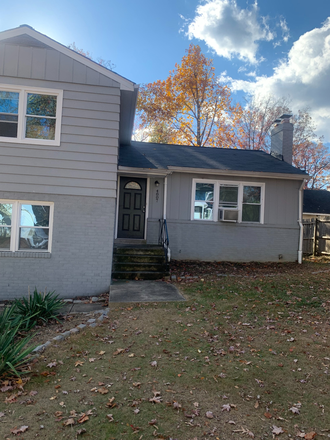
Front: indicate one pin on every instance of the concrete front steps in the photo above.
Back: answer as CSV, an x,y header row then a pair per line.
x,y
141,261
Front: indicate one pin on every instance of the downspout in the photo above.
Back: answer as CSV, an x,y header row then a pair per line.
x,y
164,214
165,198
301,228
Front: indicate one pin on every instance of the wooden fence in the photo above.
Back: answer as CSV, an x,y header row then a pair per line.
x,y
316,237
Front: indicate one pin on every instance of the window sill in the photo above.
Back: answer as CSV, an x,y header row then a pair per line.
x,y
24,254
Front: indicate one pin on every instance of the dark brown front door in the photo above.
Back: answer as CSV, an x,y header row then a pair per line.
x,y
132,207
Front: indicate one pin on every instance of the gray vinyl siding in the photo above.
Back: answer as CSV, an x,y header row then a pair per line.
x,y
85,162
47,64
81,258
221,241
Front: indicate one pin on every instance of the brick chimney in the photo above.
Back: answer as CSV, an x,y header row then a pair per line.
x,y
282,139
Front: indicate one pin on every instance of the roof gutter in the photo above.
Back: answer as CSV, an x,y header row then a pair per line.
x,y
239,173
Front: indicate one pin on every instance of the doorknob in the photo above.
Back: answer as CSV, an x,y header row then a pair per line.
x,y
144,209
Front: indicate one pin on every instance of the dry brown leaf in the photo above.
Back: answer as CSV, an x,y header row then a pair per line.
x,y
209,414
256,405
79,363
69,422
103,390
20,430
118,351
277,430
84,417
268,415
310,435
109,417
52,364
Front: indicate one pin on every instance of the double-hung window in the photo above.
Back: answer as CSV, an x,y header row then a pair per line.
x,y
30,115
228,201
25,226
204,199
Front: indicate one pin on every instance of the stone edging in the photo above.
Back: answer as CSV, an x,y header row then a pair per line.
x,y
90,323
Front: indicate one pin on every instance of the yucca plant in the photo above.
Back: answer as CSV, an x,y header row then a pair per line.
x,y
38,306
8,318
13,351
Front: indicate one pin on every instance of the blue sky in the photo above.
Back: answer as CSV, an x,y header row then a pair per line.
x,y
279,47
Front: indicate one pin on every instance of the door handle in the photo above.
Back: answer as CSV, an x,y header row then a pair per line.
x,y
144,209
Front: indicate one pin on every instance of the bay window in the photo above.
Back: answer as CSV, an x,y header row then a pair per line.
x,y
228,201
25,226
30,115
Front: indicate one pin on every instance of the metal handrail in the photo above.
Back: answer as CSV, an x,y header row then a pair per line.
x,y
163,239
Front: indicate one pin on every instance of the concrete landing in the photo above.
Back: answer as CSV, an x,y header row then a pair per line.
x,y
144,291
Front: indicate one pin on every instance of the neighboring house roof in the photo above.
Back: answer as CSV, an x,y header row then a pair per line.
x,y
173,157
316,201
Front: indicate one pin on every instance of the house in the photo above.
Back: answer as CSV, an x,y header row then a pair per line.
x,y
316,204
73,185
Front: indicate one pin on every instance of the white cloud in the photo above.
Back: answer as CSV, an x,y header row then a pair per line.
x,y
303,76
229,30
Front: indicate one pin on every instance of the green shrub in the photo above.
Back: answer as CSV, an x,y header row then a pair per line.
x,y
38,306
13,353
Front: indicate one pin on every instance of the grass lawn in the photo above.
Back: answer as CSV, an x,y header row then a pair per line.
x,y
246,356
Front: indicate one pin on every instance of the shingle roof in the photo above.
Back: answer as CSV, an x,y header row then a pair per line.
x,y
316,201
163,156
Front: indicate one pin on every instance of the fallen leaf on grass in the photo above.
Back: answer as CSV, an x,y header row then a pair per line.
x,y
137,384
256,405
152,422
103,390
102,353
118,351
79,363
277,430
310,435
69,422
136,411
20,430
226,408
81,431
84,417
2,414
153,363
91,359
155,399
110,418
209,414
294,410
52,364
268,415
245,431
111,403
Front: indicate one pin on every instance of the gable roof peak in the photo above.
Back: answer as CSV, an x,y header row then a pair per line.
x,y
26,29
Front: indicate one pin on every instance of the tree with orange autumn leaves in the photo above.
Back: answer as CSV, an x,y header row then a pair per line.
x,y
190,106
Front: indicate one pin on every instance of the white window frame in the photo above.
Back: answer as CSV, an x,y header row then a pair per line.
x,y
22,107
16,220
240,184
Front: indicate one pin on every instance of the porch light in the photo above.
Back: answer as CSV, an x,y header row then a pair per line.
x,y
156,184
